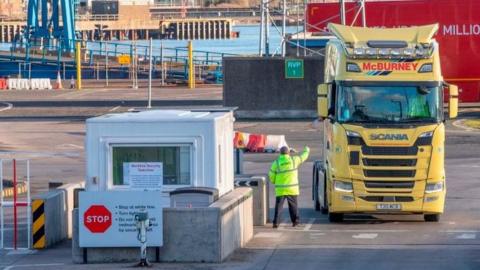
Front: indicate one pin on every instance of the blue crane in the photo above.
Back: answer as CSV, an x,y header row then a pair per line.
x,y
59,24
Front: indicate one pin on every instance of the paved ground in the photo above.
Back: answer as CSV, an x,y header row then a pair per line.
x,y
116,91
55,148
37,127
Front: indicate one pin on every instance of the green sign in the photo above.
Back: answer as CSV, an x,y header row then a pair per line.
x,y
293,68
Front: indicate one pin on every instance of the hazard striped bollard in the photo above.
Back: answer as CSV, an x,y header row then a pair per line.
x,y
38,221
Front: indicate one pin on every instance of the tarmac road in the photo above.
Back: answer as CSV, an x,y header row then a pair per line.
x,y
362,242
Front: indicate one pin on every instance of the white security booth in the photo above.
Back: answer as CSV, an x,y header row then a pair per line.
x,y
135,161
183,148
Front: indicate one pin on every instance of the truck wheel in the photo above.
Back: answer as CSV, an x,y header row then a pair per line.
x,y
316,202
335,217
431,217
324,207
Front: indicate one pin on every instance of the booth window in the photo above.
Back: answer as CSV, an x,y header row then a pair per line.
x,y
175,162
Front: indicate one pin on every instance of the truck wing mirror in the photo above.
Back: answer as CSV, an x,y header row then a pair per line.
x,y
322,100
452,101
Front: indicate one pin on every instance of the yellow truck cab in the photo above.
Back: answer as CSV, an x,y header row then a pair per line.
x,y
384,133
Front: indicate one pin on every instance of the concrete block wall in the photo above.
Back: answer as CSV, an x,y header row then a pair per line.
x,y
68,190
207,234
55,222
258,87
259,187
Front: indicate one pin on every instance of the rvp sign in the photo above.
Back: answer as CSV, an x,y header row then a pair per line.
x,y
97,219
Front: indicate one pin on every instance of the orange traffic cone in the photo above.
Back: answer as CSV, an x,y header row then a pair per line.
x,y
58,83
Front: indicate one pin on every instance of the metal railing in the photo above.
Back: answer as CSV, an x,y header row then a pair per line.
x,y
100,59
96,17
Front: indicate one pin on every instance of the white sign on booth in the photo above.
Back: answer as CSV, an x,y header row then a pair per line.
x,y
143,175
107,218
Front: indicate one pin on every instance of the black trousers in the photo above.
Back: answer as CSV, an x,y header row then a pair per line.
x,y
292,208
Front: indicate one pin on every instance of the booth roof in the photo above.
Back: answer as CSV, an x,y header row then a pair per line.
x,y
160,115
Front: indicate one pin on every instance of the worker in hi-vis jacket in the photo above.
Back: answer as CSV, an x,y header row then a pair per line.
x,y
284,175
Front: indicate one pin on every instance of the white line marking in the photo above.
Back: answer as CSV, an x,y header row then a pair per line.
x,y
459,124
315,235
381,246
9,106
469,236
70,145
460,231
114,109
21,252
32,265
365,236
309,224
268,235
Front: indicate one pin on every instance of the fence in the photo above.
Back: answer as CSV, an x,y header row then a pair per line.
x,y
100,60
19,192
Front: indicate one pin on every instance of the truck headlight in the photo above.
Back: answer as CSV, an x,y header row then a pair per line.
x,y
352,134
342,186
425,68
434,187
426,134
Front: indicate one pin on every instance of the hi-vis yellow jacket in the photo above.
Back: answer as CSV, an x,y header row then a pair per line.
x,y
284,173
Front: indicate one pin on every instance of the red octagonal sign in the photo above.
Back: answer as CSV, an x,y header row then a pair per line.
x,y
97,219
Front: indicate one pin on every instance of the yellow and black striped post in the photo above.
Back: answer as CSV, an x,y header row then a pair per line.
x,y
38,221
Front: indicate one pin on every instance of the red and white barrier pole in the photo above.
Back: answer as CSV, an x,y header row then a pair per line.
x,y
14,204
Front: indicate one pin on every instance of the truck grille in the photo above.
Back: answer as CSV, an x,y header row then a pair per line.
x,y
386,151
387,198
375,162
389,184
389,173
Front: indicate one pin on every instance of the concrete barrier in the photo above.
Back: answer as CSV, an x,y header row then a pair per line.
x,y
49,222
258,87
259,187
69,194
206,234
26,84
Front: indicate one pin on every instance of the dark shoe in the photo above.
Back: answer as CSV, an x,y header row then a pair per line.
x,y
275,226
296,224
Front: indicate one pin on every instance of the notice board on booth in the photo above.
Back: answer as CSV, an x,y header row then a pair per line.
x,y
143,175
107,218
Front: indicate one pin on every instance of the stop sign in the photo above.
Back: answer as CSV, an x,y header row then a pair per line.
x,y
97,219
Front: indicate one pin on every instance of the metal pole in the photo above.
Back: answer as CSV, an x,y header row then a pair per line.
x,y
1,204
298,28
342,12
150,77
29,205
267,28
30,70
14,204
161,63
262,23
191,72
19,70
79,66
284,28
364,15
305,28
106,64
134,67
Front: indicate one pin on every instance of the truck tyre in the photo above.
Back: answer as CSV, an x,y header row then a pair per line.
x,y
316,202
324,207
335,217
431,217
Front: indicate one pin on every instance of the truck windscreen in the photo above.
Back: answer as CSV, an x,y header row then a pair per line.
x,y
388,104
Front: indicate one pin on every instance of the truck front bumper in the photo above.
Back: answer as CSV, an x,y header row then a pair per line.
x,y
401,203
